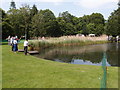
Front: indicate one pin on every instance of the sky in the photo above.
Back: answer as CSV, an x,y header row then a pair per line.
x,y
77,8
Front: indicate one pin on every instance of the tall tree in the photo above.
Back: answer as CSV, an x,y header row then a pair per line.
x,y
34,10
12,5
15,20
25,13
97,18
44,24
37,26
93,23
91,28
5,24
67,23
113,23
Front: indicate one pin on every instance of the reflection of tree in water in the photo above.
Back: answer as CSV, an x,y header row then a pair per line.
x,y
112,57
67,56
92,57
112,53
92,53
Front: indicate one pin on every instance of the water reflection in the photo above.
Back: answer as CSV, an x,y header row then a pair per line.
x,y
90,54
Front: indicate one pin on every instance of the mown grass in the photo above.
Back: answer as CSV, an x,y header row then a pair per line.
x,y
20,71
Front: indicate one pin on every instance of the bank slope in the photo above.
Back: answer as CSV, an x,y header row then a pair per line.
x,y
20,71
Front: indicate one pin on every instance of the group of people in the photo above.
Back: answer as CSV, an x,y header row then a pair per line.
x,y
13,41
111,38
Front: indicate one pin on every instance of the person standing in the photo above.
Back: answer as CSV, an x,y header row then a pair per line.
x,y
15,45
11,42
117,38
25,47
8,40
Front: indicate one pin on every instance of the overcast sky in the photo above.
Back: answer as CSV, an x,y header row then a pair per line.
x,y
75,7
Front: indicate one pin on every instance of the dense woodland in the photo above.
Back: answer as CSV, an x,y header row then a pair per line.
x,y
38,23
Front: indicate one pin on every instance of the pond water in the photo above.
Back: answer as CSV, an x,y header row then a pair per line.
x,y
88,55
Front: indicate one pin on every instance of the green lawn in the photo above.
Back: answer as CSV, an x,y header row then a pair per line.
x,y
20,71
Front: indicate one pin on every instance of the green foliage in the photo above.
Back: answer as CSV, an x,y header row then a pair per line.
x,y
15,19
67,23
5,24
33,11
37,25
91,28
25,13
2,15
44,24
113,23
99,29
6,29
93,23
97,18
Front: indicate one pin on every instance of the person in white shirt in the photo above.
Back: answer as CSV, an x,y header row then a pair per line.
x,y
25,46
117,38
11,42
8,40
15,45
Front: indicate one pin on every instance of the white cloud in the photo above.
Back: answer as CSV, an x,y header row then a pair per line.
x,y
83,3
54,1
80,1
93,3
51,1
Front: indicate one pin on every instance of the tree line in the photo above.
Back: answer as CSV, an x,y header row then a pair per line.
x,y
39,23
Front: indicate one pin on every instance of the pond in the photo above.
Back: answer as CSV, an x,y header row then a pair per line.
x,y
88,55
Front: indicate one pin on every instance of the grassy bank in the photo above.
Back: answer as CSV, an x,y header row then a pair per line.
x,y
19,71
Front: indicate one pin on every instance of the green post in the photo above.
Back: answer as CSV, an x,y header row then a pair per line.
x,y
104,78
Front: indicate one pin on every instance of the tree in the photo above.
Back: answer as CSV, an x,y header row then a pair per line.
x,y
20,20
26,21
99,29
12,5
86,19
91,28
34,10
38,26
97,18
50,24
5,24
15,19
67,17
93,23
44,24
67,23
113,23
